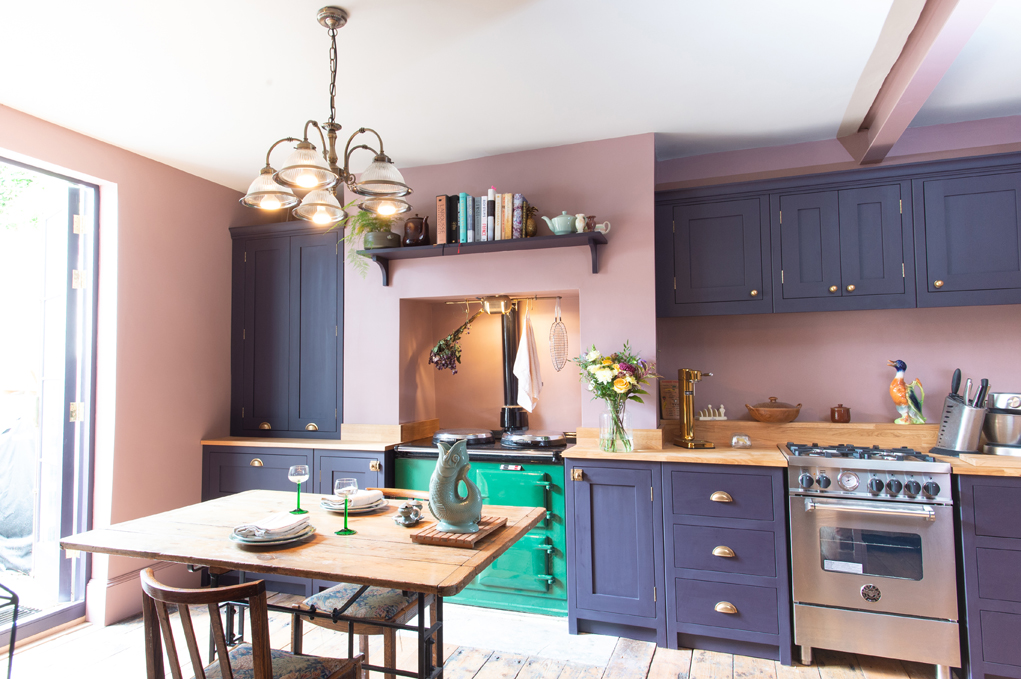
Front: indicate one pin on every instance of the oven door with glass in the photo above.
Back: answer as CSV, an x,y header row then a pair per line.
x,y
874,555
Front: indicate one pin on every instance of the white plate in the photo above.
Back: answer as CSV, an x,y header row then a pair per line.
x,y
310,530
332,507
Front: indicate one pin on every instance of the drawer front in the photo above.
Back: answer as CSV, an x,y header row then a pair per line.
x,y
999,637
999,574
737,496
254,469
753,550
757,607
996,511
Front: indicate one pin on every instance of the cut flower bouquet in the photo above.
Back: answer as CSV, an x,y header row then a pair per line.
x,y
616,379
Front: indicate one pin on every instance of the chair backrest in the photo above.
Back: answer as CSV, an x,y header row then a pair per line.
x,y
156,619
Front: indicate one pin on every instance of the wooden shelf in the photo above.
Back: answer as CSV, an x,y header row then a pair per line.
x,y
382,256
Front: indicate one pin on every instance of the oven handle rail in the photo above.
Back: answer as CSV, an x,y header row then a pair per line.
x,y
922,512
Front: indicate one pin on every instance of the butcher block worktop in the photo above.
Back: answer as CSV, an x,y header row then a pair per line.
x,y
376,438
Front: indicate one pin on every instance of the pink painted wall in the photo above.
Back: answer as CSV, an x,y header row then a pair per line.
x,y
820,359
164,330
612,179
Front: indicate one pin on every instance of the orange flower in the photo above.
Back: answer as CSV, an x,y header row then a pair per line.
x,y
621,385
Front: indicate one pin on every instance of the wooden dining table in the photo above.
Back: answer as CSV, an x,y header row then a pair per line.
x,y
380,554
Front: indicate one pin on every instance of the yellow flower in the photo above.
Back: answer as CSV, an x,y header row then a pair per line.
x,y
620,385
631,379
594,368
616,367
607,361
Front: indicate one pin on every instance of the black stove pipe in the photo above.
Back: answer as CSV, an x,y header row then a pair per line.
x,y
512,416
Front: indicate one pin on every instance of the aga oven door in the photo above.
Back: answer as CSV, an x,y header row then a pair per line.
x,y
884,557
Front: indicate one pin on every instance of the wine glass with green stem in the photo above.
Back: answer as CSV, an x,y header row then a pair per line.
x,y
345,488
298,473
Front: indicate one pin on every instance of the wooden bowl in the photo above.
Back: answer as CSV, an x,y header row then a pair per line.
x,y
774,412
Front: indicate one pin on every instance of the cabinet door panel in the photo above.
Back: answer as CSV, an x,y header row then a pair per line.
x,y
871,237
996,510
809,244
314,332
973,233
614,547
999,638
350,466
267,264
717,252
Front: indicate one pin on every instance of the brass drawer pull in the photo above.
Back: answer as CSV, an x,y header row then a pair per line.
x,y
850,288
721,496
726,607
375,466
256,462
833,288
937,284
725,552
754,293
265,425
576,474
311,426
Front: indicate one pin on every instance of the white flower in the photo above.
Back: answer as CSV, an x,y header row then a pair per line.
x,y
590,386
594,368
592,355
604,375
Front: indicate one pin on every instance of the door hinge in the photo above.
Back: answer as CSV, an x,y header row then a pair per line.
x,y
242,412
336,248
77,412
242,333
675,282
77,279
673,226
902,275
650,495
246,257
781,216
901,201
781,276
76,224
336,330
654,594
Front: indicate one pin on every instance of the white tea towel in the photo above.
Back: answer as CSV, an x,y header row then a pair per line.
x,y
526,366
278,525
361,498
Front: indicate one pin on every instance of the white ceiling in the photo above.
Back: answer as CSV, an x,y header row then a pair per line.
x,y
207,86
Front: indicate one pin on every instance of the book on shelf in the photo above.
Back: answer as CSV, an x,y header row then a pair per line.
x,y
508,216
446,219
483,218
478,218
491,223
462,217
516,217
469,228
498,217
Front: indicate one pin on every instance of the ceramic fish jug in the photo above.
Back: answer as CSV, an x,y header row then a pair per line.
x,y
454,513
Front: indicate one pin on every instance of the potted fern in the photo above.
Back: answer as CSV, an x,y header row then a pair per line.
x,y
372,232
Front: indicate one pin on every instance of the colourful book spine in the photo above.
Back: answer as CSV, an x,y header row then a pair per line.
x,y
508,213
491,205
478,217
462,217
516,219
470,227
498,217
441,219
483,219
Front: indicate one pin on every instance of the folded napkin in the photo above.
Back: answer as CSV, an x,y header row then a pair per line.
x,y
362,498
283,524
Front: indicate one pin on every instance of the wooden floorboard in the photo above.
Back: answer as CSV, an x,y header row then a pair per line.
x,y
501,666
578,671
668,663
711,665
541,668
753,668
630,659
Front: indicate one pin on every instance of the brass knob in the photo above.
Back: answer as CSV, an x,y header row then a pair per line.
x,y
256,462
725,552
576,474
755,293
850,288
311,426
721,496
937,284
726,607
265,425
375,466
833,288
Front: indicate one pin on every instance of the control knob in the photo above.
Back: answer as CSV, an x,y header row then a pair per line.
x,y
806,480
931,488
876,485
824,481
893,486
913,488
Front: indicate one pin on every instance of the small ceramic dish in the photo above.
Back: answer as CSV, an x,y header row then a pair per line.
x,y
775,412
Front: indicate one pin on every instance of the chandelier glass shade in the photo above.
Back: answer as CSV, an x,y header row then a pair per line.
x,y
385,206
381,179
266,194
305,169
320,206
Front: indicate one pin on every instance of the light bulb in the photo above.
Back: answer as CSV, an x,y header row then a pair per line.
x,y
307,180
386,209
321,216
270,204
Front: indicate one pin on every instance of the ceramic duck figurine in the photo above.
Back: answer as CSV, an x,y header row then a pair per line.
x,y
907,398
454,514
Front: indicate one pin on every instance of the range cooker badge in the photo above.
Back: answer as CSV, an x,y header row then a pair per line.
x,y
871,593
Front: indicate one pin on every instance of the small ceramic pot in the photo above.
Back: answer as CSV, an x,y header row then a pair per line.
x,y
773,411
381,239
840,414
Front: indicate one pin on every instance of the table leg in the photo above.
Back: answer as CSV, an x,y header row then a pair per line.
x,y
296,636
214,581
424,643
438,604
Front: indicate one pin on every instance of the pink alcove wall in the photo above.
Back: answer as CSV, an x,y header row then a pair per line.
x,y
612,179
825,358
164,331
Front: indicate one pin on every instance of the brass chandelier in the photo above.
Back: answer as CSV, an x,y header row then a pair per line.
x,y
306,169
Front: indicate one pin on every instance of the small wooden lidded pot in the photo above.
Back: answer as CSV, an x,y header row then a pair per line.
x,y
840,414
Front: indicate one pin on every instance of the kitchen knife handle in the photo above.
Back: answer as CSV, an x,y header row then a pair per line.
x,y
955,382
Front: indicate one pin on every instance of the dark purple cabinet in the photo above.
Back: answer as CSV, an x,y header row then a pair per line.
x,y
988,511
615,549
233,469
842,249
371,470
287,331
713,257
971,240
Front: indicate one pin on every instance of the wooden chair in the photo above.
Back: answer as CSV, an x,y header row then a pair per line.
x,y
375,604
246,661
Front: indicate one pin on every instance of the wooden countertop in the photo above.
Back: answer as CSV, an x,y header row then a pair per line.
x,y
752,457
321,444
979,464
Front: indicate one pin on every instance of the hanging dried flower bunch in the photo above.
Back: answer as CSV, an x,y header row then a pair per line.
x,y
447,352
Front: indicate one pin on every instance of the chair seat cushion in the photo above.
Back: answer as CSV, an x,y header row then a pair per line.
x,y
377,603
285,665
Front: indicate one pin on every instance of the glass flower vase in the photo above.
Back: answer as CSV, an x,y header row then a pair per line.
x,y
615,431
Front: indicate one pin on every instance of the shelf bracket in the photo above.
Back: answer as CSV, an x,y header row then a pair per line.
x,y
384,267
594,249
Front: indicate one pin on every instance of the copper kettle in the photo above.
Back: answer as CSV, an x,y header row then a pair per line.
x,y
416,231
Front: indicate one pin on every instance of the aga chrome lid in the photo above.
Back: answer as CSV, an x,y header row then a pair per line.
x,y
472,436
533,439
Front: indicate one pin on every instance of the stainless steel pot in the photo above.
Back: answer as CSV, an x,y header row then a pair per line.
x,y
1004,401
1004,428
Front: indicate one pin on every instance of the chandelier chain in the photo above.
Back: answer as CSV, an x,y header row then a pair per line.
x,y
333,74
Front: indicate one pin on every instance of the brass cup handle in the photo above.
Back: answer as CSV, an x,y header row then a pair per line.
x,y
311,426
265,425
726,607
937,284
833,288
721,496
256,462
724,551
850,288
754,293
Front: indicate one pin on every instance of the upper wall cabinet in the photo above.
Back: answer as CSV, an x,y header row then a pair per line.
x,y
712,257
971,244
286,341
847,249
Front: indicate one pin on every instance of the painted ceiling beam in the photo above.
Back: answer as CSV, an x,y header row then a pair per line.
x,y
943,28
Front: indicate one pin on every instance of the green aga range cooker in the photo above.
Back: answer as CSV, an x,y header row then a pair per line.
x,y
525,472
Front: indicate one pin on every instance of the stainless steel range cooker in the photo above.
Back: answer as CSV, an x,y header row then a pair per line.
x,y
872,553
